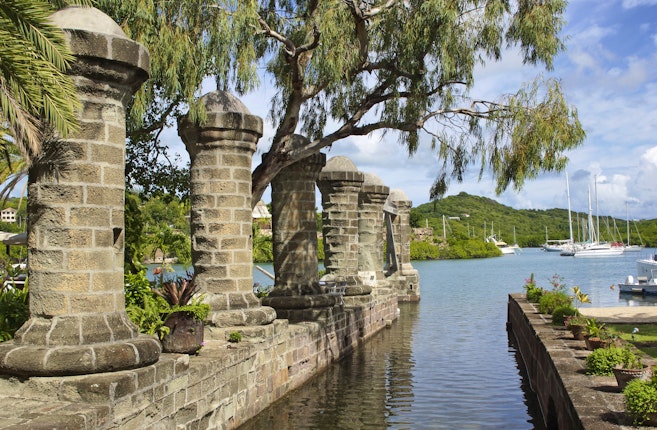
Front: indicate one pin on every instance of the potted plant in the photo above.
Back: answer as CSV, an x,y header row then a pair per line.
x,y
577,325
630,368
597,336
184,318
641,401
602,361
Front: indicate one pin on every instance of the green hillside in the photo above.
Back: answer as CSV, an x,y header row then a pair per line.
x,y
474,212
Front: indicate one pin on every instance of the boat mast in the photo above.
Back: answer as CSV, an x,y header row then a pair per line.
x,y
627,218
444,231
570,218
591,232
597,213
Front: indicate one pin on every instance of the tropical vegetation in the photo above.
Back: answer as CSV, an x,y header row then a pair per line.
x,y
36,95
148,304
468,216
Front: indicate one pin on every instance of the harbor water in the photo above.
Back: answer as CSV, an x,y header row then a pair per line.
x,y
447,363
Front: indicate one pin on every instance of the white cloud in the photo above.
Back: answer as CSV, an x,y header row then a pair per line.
x,y
629,4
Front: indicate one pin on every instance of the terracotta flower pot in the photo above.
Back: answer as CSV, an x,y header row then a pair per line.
x,y
593,343
623,376
578,330
185,334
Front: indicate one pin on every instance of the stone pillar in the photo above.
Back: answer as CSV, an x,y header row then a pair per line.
x,y
294,224
401,272
340,182
78,323
373,195
221,224
296,295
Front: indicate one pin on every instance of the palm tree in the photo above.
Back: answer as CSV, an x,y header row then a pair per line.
x,y
34,90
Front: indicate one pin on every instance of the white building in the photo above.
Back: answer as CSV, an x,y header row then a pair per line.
x,y
8,215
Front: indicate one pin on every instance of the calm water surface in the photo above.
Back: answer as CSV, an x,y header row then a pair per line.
x,y
447,362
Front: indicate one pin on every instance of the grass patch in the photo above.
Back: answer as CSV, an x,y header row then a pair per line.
x,y
645,339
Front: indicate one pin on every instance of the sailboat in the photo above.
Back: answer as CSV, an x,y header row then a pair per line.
x,y
569,249
593,247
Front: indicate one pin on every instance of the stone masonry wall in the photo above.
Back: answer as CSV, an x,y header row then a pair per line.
x,y
221,388
555,365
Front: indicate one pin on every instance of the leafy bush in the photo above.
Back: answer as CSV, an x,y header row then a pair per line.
x,y
640,399
149,316
421,250
551,300
533,291
560,313
14,311
602,360
235,337
136,285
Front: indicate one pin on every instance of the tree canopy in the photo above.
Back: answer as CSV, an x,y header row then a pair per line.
x,y
346,68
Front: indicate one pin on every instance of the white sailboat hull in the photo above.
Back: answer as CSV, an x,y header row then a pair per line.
x,y
599,250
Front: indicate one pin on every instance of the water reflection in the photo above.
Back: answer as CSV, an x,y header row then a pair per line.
x,y
380,387
370,389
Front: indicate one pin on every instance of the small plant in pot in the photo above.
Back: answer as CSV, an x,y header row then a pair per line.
x,y
597,335
577,325
630,368
184,317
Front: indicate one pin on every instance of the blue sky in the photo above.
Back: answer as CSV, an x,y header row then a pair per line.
x,y
608,72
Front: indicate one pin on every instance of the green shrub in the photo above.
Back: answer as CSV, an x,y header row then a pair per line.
x,y
149,307
640,399
421,250
533,291
136,285
235,337
551,300
560,313
14,311
603,360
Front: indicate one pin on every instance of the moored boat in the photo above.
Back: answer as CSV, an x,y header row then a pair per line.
x,y
504,247
641,285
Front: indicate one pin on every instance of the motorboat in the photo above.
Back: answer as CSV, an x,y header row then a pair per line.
x,y
504,247
646,266
641,285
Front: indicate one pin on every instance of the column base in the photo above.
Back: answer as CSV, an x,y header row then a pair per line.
x,y
67,360
302,308
260,315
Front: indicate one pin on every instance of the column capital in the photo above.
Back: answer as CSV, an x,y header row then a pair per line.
x,y
95,39
228,123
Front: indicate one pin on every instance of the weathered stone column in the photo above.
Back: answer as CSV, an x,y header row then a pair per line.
x,y
294,224
400,271
296,295
373,195
78,323
340,183
220,151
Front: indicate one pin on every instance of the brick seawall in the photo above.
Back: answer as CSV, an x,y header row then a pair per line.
x,y
555,365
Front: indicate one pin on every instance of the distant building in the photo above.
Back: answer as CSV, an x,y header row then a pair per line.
x,y
8,215
262,216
